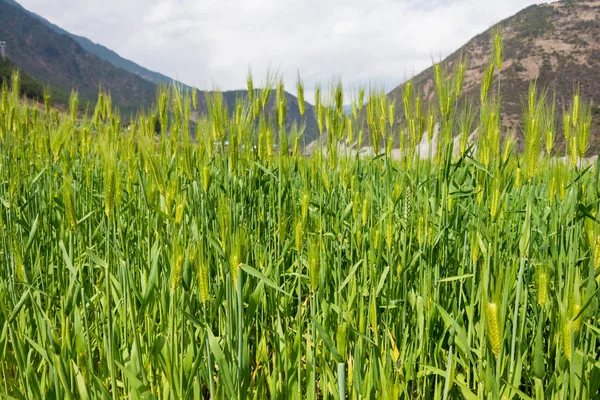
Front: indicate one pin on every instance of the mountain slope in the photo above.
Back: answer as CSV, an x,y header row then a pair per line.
x,y
101,51
557,44
31,87
61,62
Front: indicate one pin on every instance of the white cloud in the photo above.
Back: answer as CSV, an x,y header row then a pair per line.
x,y
212,42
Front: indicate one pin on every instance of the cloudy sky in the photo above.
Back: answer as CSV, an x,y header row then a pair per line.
x,y
213,43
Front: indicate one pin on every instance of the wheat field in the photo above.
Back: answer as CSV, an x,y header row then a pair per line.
x,y
165,261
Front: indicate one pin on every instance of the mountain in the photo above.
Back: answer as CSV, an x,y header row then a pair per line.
x,y
31,87
48,56
557,44
101,51
61,62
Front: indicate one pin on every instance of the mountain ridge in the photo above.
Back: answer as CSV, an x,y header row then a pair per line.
x,y
101,51
555,44
58,60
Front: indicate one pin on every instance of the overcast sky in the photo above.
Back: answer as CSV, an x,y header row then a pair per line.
x,y
212,43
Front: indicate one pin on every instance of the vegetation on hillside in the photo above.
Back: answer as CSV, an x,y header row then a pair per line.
x,y
60,62
101,51
31,87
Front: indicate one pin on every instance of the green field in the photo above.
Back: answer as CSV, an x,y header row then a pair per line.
x,y
225,262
